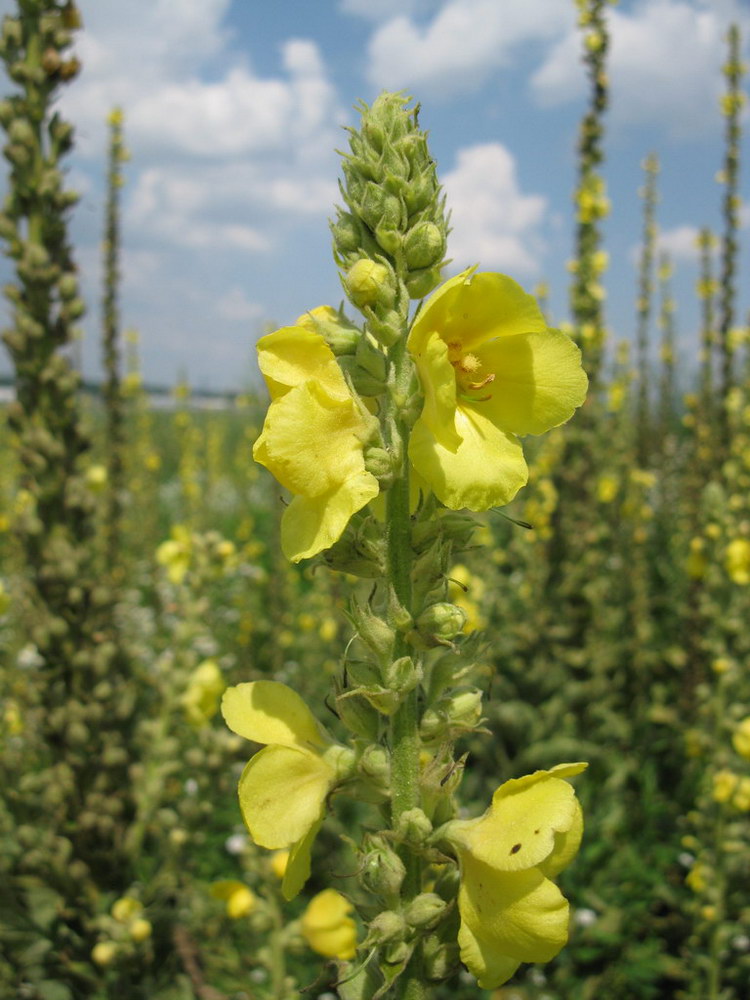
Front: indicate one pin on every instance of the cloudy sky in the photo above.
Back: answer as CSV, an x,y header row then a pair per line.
x,y
234,109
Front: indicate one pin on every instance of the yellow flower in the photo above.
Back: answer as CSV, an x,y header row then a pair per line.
x,y
490,370
510,910
741,738
327,926
697,877
201,697
724,785
104,952
239,898
283,789
741,798
126,908
607,487
175,554
737,560
140,930
313,440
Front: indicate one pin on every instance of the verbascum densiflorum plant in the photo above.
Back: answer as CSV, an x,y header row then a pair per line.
x,y
388,433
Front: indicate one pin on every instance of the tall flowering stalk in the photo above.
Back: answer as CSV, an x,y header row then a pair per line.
x,y
731,105
592,204
114,401
71,801
644,303
706,288
386,434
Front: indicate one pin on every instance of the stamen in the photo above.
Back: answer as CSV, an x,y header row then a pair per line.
x,y
482,384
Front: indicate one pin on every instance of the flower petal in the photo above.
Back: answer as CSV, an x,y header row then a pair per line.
x,y
311,524
271,712
479,956
538,382
566,846
293,355
282,795
438,381
312,440
473,308
298,864
485,470
520,915
519,829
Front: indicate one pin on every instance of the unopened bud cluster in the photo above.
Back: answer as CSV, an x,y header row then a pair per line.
x,y
390,239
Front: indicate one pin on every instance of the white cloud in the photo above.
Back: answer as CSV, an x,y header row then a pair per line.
x,y
236,306
493,222
680,243
465,42
665,64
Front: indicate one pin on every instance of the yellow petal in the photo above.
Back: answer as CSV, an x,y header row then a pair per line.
x,y
517,916
519,829
297,870
439,386
566,846
282,795
311,524
473,308
311,440
485,470
538,382
491,968
271,712
327,926
294,355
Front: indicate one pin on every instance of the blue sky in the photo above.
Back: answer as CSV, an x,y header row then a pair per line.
x,y
233,110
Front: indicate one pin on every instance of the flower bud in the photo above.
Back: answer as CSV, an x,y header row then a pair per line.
x,y
373,631
424,246
375,762
386,927
421,282
425,910
460,712
440,623
379,209
402,675
383,870
413,826
368,283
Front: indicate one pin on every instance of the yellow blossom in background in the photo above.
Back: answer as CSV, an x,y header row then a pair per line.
x,y
327,926
741,799
125,908
96,478
279,861
697,563
4,599
737,561
239,898
511,911
697,878
741,738
140,930
201,697
284,787
175,553
104,953
606,487
490,370
466,590
724,785
313,440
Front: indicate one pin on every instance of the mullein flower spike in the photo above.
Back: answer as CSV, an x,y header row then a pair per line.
x,y
299,757
511,911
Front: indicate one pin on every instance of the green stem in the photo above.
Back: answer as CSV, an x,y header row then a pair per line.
x,y
405,743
